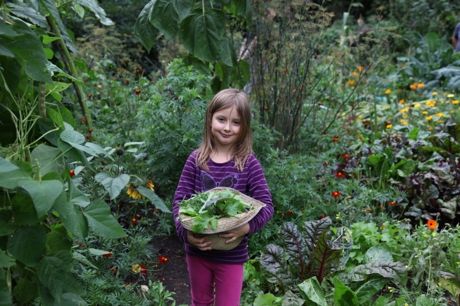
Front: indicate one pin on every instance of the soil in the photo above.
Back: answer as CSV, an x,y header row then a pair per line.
x,y
173,274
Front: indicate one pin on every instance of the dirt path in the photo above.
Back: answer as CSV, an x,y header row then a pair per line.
x,y
174,274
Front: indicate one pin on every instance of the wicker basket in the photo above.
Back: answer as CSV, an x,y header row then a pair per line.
x,y
229,223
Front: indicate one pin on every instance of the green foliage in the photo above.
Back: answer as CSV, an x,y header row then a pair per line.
x,y
171,121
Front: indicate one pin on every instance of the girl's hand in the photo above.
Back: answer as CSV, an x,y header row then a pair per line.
x,y
235,233
199,241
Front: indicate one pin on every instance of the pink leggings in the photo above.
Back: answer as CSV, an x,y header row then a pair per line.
x,y
209,280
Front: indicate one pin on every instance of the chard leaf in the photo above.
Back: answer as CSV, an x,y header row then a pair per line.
x,y
313,231
386,269
295,243
272,259
324,257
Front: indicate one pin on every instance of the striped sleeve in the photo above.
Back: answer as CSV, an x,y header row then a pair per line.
x,y
184,190
258,189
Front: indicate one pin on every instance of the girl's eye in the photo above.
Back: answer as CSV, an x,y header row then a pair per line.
x,y
236,122
221,119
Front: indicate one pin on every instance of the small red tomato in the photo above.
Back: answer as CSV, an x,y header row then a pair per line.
x,y
335,138
133,221
72,172
340,174
345,156
108,255
163,259
335,194
392,203
137,91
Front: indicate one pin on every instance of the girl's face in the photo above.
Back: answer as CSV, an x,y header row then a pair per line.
x,y
225,127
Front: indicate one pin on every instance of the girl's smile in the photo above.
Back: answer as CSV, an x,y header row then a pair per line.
x,y
225,127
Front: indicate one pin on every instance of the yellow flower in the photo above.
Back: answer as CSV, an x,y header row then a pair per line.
x,y
133,193
388,91
404,122
404,110
455,102
434,93
440,115
405,116
429,118
431,103
150,185
402,101
360,68
355,74
425,113
389,126
136,268
450,95
416,105
351,83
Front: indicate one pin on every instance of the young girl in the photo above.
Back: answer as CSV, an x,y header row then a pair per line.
x,y
224,159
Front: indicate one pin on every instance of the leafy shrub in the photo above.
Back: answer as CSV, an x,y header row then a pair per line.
x,y
172,121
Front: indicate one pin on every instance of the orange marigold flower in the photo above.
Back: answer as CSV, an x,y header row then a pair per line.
x,y
163,259
432,224
336,194
150,185
360,68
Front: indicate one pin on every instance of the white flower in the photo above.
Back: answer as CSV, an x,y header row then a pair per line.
x,y
144,288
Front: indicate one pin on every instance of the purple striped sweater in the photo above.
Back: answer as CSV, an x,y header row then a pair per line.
x,y
251,181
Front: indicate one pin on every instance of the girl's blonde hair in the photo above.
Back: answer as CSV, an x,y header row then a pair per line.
x,y
243,148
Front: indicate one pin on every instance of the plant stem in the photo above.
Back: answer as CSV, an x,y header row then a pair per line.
x,y
73,71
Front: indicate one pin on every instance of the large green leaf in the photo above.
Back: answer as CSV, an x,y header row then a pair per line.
x,y
57,240
165,17
203,35
5,260
43,193
152,196
55,274
94,7
71,216
71,136
28,244
23,210
113,185
45,157
343,295
101,221
28,13
10,174
144,29
313,291
28,50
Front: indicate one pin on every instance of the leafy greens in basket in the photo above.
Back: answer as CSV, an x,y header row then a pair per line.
x,y
207,207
